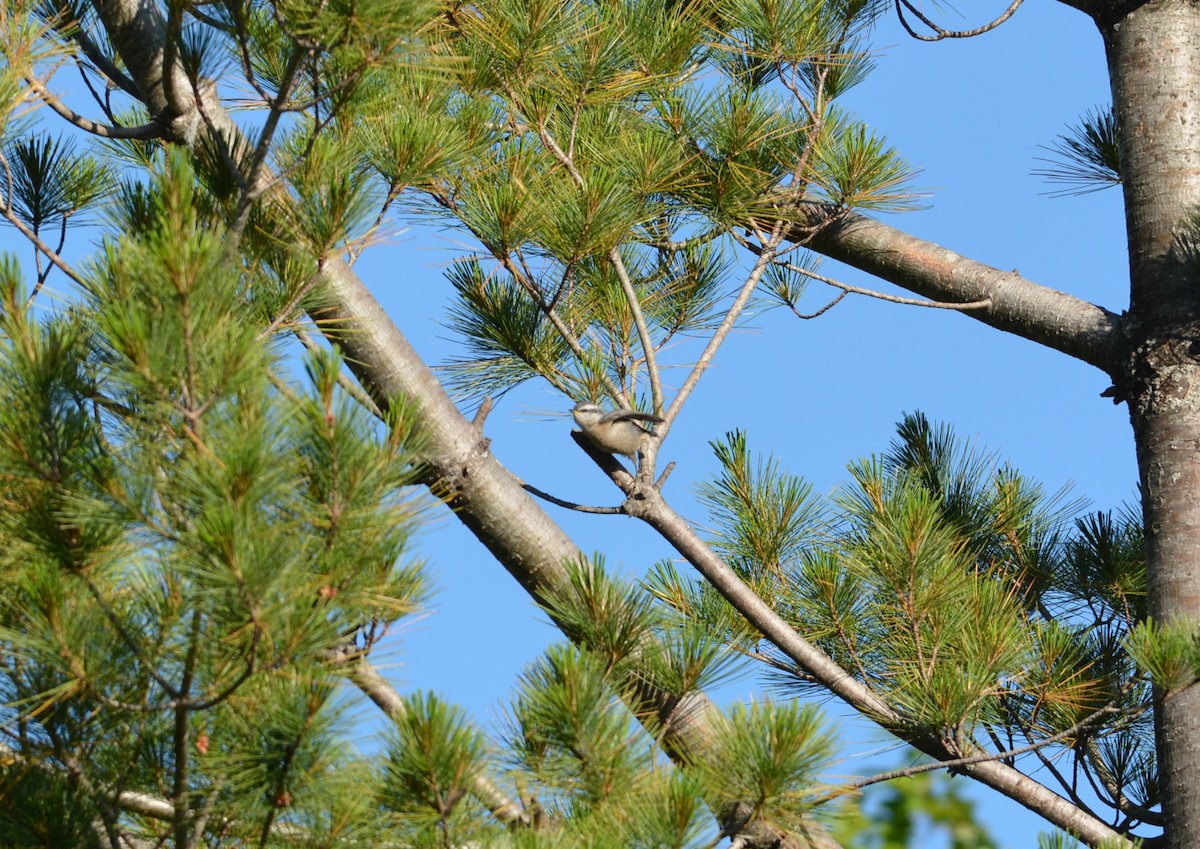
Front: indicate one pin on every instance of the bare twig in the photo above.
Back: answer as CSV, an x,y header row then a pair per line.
x,y
871,293
571,505
938,32
485,407
1109,709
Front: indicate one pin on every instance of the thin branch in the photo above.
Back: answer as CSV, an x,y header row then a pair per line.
x,y
723,330
571,505
871,293
127,638
145,132
287,310
984,757
44,273
938,32
41,246
618,266
103,64
639,320
181,787
254,185
1120,801
811,315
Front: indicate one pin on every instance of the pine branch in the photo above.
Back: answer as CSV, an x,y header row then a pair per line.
x,y
379,691
143,133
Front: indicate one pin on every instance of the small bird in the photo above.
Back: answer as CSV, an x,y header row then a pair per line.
x,y
614,431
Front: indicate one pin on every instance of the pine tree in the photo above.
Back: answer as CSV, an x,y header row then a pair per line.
x,y
631,175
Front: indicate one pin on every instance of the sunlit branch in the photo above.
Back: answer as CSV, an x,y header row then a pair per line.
x,y
254,183
1019,306
622,275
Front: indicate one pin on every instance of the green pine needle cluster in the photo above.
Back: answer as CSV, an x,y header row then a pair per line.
x,y
192,537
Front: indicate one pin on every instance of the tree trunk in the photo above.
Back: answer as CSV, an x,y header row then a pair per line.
x,y
1154,64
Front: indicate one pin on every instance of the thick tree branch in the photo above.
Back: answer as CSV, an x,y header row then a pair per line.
x,y
1019,306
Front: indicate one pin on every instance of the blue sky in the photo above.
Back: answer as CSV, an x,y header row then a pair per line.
x,y
971,115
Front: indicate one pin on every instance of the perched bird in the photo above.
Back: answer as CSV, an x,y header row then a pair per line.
x,y
614,431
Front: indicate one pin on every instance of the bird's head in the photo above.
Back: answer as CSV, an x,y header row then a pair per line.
x,y
586,413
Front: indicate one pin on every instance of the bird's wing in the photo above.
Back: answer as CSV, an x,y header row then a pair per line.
x,y
632,415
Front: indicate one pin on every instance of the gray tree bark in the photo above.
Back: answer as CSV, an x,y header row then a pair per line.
x,y
1154,66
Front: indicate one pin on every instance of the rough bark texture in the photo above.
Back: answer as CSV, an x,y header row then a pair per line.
x,y
1154,64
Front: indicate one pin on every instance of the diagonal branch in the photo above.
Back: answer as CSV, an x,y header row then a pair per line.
x,y
1055,319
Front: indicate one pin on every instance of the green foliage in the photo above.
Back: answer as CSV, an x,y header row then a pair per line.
x,y
603,177
42,809
188,539
638,642
766,517
770,756
981,609
909,812
51,182
1086,158
434,753
1169,653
